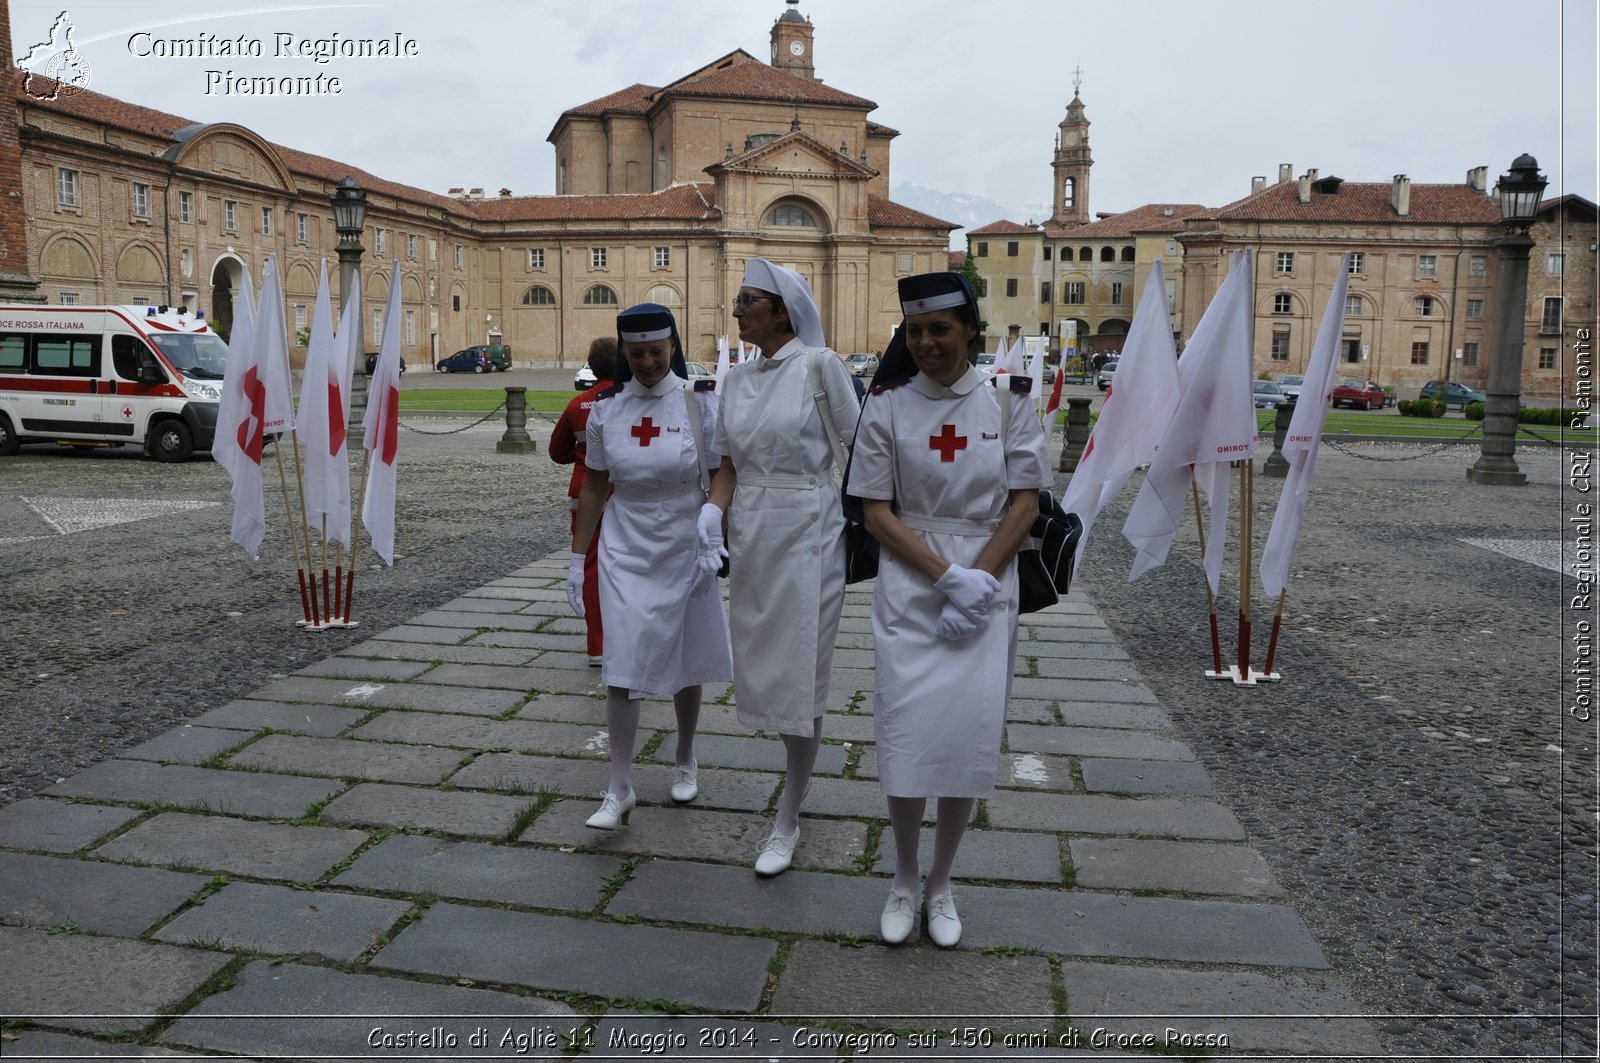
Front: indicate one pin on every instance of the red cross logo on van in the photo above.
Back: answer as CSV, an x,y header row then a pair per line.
x,y
127,413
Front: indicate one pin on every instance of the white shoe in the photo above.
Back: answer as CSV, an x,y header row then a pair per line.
x,y
685,783
596,661
613,810
899,916
776,854
944,926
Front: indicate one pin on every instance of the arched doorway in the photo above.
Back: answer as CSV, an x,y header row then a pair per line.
x,y
226,277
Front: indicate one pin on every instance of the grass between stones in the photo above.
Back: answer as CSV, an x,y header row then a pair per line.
x,y
225,978
530,812
1075,767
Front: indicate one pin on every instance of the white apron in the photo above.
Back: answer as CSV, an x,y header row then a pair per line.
x,y
660,638
785,534
939,705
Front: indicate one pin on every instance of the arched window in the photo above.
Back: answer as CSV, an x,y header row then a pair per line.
x,y
538,295
1066,254
599,295
1069,191
1127,254
790,214
664,294
1086,254
1108,254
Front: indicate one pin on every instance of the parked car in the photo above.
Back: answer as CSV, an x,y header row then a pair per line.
x,y
1102,379
471,360
1358,395
1456,394
585,378
372,363
862,364
1268,396
700,371
1291,385
985,363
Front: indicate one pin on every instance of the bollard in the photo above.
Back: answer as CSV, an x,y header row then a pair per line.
x,y
516,440
1275,465
1077,433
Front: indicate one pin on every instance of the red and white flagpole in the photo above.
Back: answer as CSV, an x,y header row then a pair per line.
x,y
1211,599
1246,505
307,600
361,499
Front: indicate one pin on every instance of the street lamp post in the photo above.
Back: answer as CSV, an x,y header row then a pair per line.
x,y
1519,192
349,218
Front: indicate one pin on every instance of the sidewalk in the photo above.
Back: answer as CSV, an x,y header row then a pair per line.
x,y
397,832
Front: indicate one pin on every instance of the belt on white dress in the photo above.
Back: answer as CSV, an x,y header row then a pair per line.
x,y
634,493
954,525
787,481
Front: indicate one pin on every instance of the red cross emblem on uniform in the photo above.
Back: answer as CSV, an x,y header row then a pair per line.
x,y
645,431
947,443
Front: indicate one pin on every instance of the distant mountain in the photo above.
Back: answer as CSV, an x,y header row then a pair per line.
x,y
968,210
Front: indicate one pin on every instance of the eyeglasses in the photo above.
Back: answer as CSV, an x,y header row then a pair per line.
x,y
742,301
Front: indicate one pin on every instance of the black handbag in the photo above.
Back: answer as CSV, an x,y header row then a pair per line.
x,y
1044,564
860,548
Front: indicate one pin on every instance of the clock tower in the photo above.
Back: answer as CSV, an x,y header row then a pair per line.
x,y
791,43
1072,163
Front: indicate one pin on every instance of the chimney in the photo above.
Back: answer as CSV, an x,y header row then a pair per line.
x,y
1401,195
1303,193
474,193
505,192
1257,184
1285,171
457,193
1478,177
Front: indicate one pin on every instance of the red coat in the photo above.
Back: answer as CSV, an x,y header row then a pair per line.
x,y
567,440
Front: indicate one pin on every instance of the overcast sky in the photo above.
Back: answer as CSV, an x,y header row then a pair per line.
x,y
1187,100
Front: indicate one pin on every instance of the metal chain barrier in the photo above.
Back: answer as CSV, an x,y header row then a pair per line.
x,y
453,431
1522,429
1345,448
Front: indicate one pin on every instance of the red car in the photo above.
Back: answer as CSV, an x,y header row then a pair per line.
x,y
1358,395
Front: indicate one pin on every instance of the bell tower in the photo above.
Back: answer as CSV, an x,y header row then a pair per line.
x,y
791,43
1072,163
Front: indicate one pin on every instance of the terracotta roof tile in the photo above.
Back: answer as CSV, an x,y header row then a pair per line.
x,y
758,81
1004,228
958,259
1369,203
878,129
94,107
636,99
675,203
1150,218
883,213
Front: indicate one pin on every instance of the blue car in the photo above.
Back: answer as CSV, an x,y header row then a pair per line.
x,y
1456,394
471,360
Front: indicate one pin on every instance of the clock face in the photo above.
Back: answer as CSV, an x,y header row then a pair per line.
x,y
1070,139
796,48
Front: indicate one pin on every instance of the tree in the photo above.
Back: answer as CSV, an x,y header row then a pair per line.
x,y
969,270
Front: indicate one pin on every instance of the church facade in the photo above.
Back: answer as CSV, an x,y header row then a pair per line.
x,y
663,194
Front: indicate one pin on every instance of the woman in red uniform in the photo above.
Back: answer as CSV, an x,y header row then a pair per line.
x,y
567,447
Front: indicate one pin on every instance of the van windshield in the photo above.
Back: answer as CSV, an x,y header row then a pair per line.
x,y
199,355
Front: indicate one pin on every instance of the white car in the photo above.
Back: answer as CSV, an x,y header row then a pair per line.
x,y
1102,379
1291,385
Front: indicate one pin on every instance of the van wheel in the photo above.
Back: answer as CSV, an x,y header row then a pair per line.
x,y
171,440
8,437
478,368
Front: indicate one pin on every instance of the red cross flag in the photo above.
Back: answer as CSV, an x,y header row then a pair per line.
x,y
380,430
321,423
238,442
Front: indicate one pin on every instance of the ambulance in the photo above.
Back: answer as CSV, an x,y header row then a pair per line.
x,y
110,375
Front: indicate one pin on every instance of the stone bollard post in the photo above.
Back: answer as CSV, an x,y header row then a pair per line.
x,y
1275,465
516,440
1077,433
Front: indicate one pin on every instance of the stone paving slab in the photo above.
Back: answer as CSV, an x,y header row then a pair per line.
x,y
1095,742
1194,818
573,708
585,956
348,759
279,920
877,985
240,793
798,902
58,826
473,604
511,594
1080,668
478,621
283,1010
449,812
442,636
1030,710
242,847
1083,690
1035,771
42,977
187,744
756,754
522,680
858,799
252,715
630,1035
999,855
363,668
431,655
1146,777
1172,867
741,791
49,891
1097,994
532,878
542,641
1093,714
467,732
692,834
434,696
46,1046
1082,636
1074,923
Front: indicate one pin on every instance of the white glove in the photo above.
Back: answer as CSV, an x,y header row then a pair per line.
x,y
575,583
709,528
969,590
953,624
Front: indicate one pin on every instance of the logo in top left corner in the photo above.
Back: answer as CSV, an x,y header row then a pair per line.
x,y
54,69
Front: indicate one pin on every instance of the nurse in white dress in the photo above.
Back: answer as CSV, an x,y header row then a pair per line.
x,y
950,495
665,629
785,527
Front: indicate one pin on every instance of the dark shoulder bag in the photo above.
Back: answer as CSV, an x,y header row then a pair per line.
x,y
1044,563
860,548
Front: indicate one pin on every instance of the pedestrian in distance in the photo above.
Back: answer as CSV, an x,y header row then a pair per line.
x,y
949,465
568,445
776,494
648,437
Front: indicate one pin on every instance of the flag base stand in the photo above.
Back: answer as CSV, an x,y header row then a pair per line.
x,y
324,625
1249,679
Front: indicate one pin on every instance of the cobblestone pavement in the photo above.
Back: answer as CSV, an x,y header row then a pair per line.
x,y
355,824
